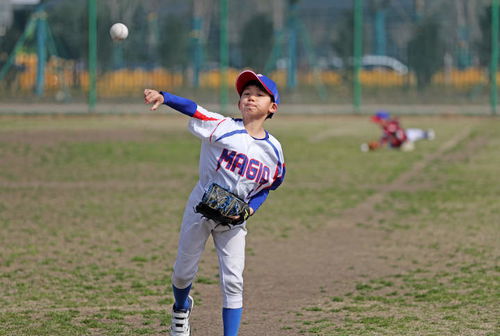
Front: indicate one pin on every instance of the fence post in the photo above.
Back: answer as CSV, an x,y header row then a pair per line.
x,y
41,50
197,51
380,36
292,45
358,48
494,56
92,54
224,53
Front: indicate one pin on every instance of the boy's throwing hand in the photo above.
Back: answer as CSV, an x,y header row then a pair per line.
x,y
153,97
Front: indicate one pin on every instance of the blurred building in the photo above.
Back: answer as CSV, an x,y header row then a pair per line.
x,y
7,8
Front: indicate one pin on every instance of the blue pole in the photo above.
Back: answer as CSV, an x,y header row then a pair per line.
x,y
117,56
92,54
197,50
224,53
41,48
357,52
275,53
494,55
380,37
292,47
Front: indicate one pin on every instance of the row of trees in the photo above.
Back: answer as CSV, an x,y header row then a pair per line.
x,y
161,35
427,47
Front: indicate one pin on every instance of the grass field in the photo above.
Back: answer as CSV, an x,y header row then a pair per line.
x,y
90,209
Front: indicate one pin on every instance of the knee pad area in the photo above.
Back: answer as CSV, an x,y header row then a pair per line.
x,y
182,279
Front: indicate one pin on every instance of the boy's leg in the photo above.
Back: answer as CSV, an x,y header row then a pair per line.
x,y
193,236
231,319
230,246
192,239
415,134
181,297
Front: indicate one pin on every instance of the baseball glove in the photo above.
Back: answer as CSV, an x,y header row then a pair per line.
x,y
373,145
223,206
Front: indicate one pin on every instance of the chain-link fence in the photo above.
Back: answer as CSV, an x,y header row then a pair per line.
x,y
412,51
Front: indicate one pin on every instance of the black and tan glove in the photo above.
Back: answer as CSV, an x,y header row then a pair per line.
x,y
223,206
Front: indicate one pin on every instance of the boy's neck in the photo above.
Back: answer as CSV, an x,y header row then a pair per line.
x,y
255,128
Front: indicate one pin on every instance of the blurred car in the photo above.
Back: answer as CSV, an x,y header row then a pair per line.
x,y
368,62
383,62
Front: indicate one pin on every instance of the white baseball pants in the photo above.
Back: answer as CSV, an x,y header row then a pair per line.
x,y
229,244
415,134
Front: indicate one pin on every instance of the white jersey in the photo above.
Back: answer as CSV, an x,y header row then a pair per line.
x,y
232,158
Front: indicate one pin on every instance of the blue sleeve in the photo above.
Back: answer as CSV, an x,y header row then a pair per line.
x,y
259,198
279,179
183,105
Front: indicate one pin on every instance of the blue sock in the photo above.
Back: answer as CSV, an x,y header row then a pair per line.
x,y
181,295
231,319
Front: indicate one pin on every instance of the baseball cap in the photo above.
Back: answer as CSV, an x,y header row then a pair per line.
x,y
381,115
268,84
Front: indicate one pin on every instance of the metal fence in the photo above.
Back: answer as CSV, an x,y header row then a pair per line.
x,y
351,52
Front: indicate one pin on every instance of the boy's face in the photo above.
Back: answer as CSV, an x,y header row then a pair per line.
x,y
381,122
384,122
256,103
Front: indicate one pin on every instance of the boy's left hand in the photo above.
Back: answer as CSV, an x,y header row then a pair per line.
x,y
153,97
243,216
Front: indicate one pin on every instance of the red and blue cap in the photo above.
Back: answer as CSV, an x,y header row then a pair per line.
x,y
381,115
267,83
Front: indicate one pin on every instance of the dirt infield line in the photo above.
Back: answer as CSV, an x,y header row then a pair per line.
x,y
366,207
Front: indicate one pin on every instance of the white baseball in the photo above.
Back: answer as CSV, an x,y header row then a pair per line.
x,y
118,32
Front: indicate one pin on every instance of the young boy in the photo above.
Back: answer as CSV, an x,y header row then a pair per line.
x,y
394,135
240,156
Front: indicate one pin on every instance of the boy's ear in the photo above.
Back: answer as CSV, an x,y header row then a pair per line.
x,y
273,108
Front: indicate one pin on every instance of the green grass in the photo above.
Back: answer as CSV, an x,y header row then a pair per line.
x,y
90,210
445,233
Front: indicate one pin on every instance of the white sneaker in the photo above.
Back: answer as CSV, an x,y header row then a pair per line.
x,y
180,320
430,134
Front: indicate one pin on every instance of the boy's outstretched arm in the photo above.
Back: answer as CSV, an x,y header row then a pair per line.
x,y
181,104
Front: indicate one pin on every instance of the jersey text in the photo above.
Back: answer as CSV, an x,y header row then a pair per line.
x,y
241,164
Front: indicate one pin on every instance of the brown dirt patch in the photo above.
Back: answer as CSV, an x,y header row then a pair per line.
x,y
470,149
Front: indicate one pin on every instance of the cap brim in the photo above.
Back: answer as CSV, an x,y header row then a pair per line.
x,y
247,76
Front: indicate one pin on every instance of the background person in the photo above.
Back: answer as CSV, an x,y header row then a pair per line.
x,y
394,135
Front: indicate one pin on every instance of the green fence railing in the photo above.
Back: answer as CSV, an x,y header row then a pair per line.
x,y
361,53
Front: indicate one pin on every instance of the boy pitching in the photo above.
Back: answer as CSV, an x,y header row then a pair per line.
x,y
240,156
